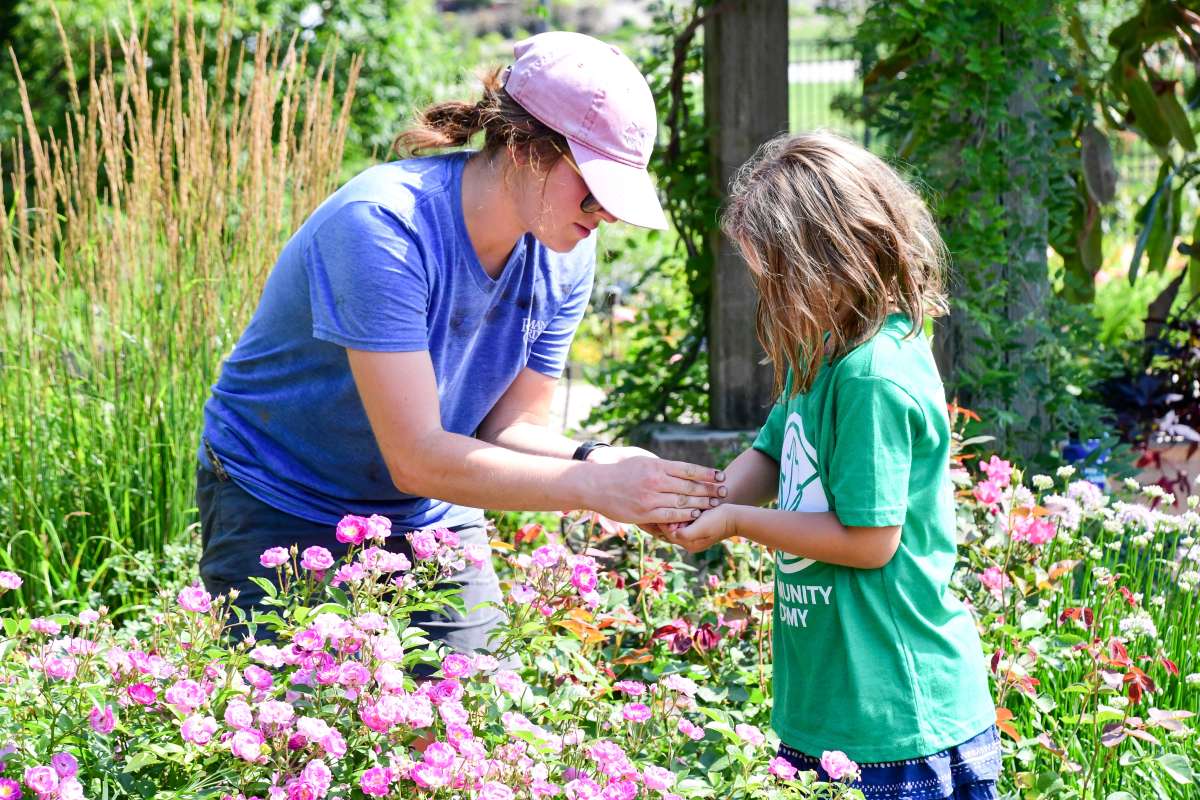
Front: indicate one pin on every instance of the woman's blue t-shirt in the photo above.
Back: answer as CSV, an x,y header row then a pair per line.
x,y
384,264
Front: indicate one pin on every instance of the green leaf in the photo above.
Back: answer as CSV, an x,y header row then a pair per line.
x,y
265,585
1177,119
1162,235
1146,215
1177,766
1194,259
1146,110
1120,796
140,760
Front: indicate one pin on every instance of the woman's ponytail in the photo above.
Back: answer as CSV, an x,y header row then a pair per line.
x,y
504,123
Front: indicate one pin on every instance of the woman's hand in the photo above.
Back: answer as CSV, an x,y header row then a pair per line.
x,y
649,491
711,527
616,455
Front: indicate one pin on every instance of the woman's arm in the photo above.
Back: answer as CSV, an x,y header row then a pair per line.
x,y
399,393
816,535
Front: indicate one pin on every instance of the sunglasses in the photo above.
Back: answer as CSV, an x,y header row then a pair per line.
x,y
589,204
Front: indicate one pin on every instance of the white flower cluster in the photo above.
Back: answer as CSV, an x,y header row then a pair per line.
x,y
1140,624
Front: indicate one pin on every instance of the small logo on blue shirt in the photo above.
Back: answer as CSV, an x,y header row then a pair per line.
x,y
532,329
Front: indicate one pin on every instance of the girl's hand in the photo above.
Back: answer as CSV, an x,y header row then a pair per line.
x,y
712,526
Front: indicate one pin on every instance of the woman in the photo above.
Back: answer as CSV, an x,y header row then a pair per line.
x,y
404,353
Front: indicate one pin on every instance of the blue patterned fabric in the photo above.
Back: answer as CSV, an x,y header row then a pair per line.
x,y
968,771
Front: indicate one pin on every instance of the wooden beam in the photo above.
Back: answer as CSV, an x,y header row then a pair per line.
x,y
745,103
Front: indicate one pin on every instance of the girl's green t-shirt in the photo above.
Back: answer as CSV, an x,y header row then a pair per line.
x,y
883,664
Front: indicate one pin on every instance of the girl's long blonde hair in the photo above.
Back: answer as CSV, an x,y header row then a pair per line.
x,y
835,240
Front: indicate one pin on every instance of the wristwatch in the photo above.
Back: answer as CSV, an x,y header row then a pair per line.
x,y
584,450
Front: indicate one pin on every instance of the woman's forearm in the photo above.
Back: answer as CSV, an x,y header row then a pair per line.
x,y
534,439
470,472
816,535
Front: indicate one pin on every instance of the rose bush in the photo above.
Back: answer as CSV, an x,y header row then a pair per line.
x,y
315,697
623,670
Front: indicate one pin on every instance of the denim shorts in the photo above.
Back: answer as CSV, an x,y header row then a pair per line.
x,y
236,527
968,771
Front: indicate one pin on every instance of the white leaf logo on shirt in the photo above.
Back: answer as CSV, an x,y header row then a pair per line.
x,y
800,486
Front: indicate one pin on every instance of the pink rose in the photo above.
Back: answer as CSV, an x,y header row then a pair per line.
x,y
491,790
46,626
439,755
583,578
70,789
456,665
477,553
781,768
64,765
257,677
994,579
61,669
353,674
548,555
999,472
309,639
10,580
427,776
508,681
193,598
348,573
522,594
238,715
378,528
987,492
276,712
352,530
88,616
274,557
247,745
334,744
43,780
317,559
750,734
658,779
446,537
198,729
837,765
103,721
185,695
375,781
631,688
312,728
317,774
142,693
301,790
424,544
690,729
636,712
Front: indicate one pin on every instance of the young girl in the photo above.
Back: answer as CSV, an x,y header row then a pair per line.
x,y
874,655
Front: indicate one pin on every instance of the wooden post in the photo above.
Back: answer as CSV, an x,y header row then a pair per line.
x,y
745,103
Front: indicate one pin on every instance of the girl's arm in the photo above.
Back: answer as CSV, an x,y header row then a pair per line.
x,y
752,478
816,535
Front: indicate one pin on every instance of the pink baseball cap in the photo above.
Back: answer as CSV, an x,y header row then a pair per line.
x,y
595,97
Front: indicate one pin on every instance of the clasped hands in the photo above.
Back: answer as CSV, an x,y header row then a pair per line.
x,y
678,502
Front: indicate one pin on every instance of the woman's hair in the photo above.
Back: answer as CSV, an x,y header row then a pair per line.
x,y
835,240
505,124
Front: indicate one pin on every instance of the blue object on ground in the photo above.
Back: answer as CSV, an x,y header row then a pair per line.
x,y
1075,452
